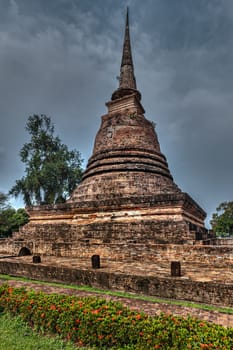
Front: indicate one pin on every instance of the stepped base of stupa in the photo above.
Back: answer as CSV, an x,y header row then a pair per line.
x,y
117,228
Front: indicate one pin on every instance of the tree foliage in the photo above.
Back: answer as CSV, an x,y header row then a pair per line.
x,y
10,218
51,171
3,201
222,221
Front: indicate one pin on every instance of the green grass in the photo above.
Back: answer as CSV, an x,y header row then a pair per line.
x,y
225,310
16,335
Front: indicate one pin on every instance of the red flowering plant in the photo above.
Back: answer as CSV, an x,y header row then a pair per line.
x,y
109,325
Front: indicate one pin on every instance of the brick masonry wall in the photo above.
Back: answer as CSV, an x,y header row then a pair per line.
x,y
142,242
6,247
125,130
173,288
223,241
117,239
126,228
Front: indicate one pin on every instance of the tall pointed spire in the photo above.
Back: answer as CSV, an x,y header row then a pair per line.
x,y
127,81
127,78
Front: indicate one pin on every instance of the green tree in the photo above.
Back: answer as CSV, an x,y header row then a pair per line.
x,y
3,201
51,171
222,221
10,219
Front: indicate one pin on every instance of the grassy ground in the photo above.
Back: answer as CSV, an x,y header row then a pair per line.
x,y
15,335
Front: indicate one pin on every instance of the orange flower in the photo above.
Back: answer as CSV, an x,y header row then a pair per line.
x,y
100,336
138,317
52,307
10,290
95,312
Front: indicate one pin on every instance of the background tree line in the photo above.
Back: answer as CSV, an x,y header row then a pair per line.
x,y
222,220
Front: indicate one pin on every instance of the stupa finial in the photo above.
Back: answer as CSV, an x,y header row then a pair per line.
x,y
127,81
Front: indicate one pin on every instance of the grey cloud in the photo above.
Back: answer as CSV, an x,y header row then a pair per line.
x,y
62,58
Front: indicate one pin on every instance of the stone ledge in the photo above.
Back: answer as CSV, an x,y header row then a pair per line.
x,y
172,288
162,199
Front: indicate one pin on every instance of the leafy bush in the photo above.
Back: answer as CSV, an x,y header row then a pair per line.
x,y
96,322
11,220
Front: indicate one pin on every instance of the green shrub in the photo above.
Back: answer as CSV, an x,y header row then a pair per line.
x,y
96,322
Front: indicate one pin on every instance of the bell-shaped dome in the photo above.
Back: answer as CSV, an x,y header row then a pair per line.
x,y
126,161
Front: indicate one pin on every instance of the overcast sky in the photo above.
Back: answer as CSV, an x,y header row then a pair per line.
x,y
62,57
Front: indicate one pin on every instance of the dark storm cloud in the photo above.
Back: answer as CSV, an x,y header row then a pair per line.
x,y
62,58
192,89
53,60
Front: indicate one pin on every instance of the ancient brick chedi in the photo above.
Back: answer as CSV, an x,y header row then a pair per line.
x,y
127,194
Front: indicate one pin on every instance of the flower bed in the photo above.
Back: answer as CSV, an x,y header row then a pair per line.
x,y
96,322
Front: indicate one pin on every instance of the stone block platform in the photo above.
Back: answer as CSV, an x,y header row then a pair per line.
x,y
198,283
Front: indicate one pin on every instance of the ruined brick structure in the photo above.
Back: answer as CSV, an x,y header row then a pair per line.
x,y
127,194
129,211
